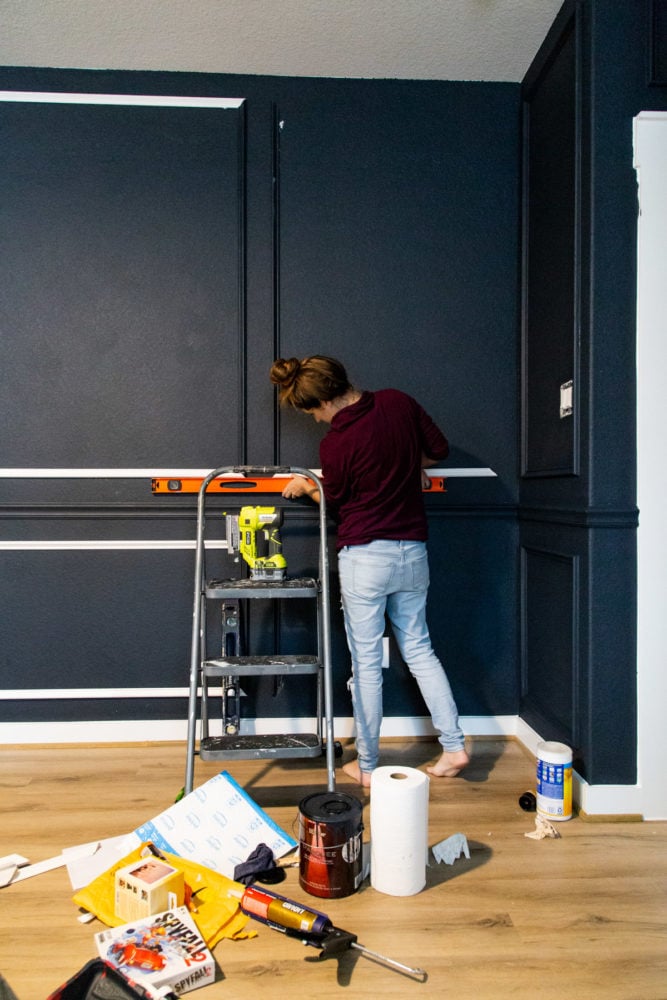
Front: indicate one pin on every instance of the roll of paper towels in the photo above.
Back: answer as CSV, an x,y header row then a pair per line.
x,y
399,830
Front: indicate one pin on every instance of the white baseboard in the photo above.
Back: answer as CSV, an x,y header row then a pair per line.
x,y
175,730
594,800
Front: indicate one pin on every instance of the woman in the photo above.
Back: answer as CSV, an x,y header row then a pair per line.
x,y
372,459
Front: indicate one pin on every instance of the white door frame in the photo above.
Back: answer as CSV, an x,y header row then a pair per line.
x,y
650,149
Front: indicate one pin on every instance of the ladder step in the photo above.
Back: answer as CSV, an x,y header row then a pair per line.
x,y
290,587
246,666
273,745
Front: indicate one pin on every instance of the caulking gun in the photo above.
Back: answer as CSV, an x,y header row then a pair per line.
x,y
309,926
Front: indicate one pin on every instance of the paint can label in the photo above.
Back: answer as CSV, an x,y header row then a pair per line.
x,y
554,789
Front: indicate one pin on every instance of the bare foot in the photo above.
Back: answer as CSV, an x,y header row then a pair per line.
x,y
352,770
450,763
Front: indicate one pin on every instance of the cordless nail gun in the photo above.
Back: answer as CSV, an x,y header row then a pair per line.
x,y
255,533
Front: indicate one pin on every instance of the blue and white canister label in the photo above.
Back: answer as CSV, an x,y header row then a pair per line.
x,y
554,780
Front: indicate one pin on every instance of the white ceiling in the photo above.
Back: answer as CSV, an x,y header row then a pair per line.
x,y
400,39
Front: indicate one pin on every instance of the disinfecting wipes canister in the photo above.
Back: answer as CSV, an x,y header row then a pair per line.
x,y
554,780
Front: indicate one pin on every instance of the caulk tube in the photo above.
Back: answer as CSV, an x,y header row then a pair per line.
x,y
279,912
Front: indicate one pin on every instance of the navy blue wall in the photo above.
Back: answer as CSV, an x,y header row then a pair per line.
x,y
373,220
380,221
577,511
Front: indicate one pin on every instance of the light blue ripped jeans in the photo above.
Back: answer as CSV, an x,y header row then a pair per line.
x,y
392,577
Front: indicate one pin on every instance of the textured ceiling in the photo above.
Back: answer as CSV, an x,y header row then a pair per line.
x,y
400,39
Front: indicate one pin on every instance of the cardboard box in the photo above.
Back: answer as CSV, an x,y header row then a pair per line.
x,y
165,949
147,886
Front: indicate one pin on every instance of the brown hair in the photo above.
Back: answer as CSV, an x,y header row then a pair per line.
x,y
308,383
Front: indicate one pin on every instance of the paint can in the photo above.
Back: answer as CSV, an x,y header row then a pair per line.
x,y
554,780
330,845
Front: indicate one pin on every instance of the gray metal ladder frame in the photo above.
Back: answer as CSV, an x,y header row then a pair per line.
x,y
324,617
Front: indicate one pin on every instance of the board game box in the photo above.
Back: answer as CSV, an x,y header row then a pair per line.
x,y
165,949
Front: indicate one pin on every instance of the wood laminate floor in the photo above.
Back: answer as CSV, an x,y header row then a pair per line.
x,y
582,916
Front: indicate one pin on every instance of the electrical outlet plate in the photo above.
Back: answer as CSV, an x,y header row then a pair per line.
x,y
385,652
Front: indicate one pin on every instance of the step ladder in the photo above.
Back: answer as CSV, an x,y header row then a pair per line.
x,y
230,665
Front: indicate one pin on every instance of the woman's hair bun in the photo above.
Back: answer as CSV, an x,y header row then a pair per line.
x,y
284,371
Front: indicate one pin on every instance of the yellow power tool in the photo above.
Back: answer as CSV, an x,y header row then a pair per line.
x,y
255,533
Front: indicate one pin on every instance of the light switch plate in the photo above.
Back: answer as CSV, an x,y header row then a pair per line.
x,y
566,399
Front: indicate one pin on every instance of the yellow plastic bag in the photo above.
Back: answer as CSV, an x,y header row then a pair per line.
x,y
216,914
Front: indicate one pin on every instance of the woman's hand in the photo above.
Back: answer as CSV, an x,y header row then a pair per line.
x,y
299,486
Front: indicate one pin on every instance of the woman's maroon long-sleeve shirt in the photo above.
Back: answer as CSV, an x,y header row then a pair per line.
x,y
371,461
